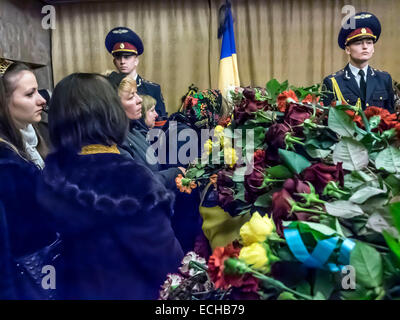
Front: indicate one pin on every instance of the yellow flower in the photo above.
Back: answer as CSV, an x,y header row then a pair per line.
x,y
208,147
230,156
255,256
219,131
257,229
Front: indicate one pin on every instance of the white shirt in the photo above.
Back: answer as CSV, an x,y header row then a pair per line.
x,y
355,70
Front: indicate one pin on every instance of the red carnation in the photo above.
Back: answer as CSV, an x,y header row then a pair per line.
x,y
282,99
388,120
259,157
216,267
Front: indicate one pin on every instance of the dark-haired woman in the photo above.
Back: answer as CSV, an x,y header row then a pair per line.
x,y
22,222
113,214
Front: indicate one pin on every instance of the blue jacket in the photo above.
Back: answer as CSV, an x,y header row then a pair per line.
x,y
379,88
115,221
154,90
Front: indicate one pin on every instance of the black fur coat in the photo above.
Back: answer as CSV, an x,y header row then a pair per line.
x,y
114,218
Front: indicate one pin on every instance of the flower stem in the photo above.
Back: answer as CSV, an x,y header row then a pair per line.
x,y
278,284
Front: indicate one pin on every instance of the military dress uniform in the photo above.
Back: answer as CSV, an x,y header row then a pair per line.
x,y
379,91
123,41
374,87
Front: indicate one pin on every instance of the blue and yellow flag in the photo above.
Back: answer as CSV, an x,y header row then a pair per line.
x,y
228,67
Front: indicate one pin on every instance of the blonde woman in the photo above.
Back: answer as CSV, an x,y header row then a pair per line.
x,y
135,145
149,113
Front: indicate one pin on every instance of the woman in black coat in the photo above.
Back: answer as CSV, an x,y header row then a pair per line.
x,y
23,224
113,214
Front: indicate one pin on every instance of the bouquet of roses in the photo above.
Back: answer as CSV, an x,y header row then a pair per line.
x,y
322,185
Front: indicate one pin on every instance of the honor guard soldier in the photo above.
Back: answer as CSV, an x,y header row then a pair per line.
x,y
126,47
358,81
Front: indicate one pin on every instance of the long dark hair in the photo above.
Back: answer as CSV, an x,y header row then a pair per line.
x,y
9,133
85,109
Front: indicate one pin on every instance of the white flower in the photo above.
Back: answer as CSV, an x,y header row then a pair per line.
x,y
173,280
185,268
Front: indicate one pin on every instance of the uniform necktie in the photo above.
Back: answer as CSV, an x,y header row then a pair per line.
x,y
363,87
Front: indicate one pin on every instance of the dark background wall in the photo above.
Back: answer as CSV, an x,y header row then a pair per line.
x,y
22,37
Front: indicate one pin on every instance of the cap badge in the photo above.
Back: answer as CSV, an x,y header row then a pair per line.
x,y
363,30
120,31
121,46
363,16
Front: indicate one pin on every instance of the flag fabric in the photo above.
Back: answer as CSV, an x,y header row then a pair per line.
x,y
228,67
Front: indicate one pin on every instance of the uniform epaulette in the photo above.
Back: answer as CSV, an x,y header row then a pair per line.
x,y
380,70
150,82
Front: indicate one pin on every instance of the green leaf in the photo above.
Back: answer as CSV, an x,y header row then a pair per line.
x,y
352,153
395,212
323,287
339,229
368,264
394,183
343,209
264,200
200,173
308,226
295,162
392,243
317,153
352,180
286,296
279,172
389,160
360,293
340,122
304,288
240,194
364,194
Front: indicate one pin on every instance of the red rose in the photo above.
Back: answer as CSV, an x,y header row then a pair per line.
x,y
295,116
248,107
282,99
224,188
295,185
320,174
259,157
224,178
275,136
225,197
280,209
252,182
249,93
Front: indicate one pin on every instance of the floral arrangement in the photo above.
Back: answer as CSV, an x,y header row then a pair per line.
x,y
323,191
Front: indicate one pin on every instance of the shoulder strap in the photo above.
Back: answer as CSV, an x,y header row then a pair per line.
x,y
337,92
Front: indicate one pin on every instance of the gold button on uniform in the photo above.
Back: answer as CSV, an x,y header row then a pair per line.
x,y
380,98
367,104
